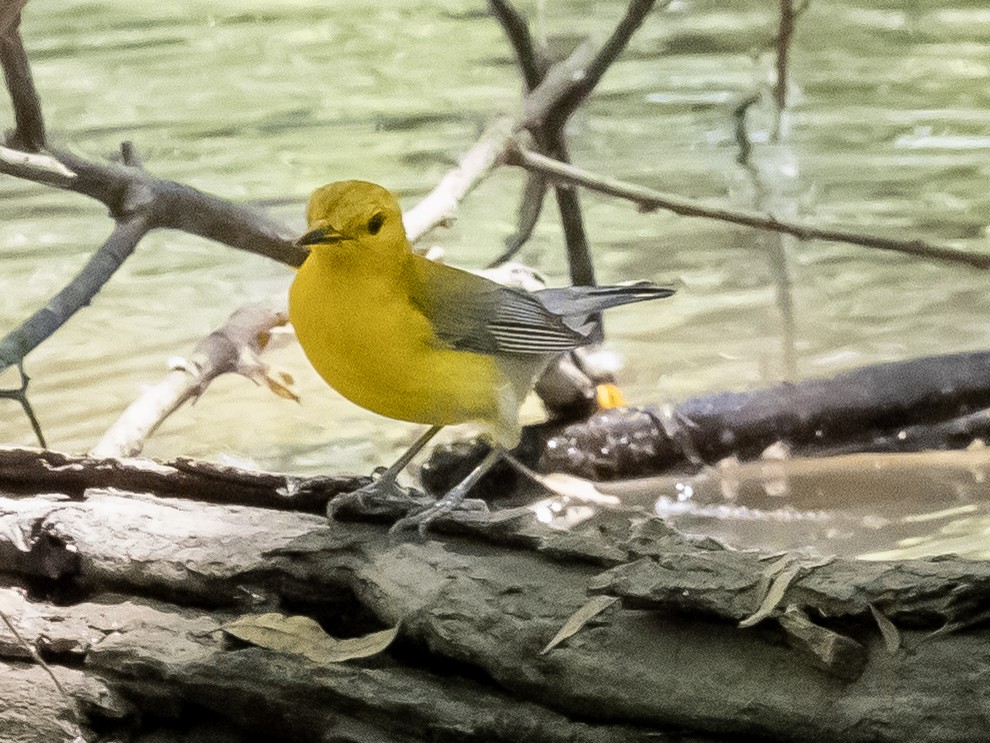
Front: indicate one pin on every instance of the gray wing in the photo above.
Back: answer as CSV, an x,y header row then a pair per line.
x,y
471,313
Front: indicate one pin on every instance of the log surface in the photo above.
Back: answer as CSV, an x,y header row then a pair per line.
x,y
125,595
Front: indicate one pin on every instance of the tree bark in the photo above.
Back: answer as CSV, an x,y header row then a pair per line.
x,y
126,595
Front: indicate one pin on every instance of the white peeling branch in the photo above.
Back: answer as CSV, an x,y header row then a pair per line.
x,y
234,347
440,205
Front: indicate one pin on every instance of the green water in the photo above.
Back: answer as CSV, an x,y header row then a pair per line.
x,y
260,102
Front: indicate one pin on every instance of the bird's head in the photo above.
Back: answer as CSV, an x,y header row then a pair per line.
x,y
354,220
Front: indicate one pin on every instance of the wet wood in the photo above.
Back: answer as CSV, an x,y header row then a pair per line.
x,y
934,402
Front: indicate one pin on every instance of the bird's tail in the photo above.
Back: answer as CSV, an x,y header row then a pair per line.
x,y
575,301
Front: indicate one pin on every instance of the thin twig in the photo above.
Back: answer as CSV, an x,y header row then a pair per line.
x,y
34,655
604,57
579,262
530,207
554,94
441,203
649,200
534,65
20,395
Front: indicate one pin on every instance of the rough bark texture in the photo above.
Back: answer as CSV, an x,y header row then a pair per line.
x,y
125,596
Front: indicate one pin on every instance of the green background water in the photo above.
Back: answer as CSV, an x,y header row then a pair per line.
x,y
260,102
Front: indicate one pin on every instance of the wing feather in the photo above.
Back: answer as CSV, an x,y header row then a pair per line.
x,y
471,313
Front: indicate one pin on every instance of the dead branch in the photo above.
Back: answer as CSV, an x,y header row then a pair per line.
x,y
858,410
649,200
234,347
78,292
554,94
20,395
533,60
441,203
30,132
24,470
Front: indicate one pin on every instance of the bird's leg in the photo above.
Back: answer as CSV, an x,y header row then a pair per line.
x,y
453,499
385,483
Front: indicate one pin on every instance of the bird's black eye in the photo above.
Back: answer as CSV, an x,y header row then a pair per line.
x,y
375,223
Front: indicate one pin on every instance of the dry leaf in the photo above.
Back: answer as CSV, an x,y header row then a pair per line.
x,y
774,596
281,383
578,619
891,635
303,636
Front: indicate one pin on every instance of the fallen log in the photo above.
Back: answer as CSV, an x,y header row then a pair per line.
x,y
132,593
937,402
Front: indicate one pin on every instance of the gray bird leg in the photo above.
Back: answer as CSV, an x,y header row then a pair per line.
x,y
452,500
385,486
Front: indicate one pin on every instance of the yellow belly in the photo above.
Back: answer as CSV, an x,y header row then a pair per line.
x,y
372,346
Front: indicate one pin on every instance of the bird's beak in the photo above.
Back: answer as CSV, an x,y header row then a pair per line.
x,y
320,236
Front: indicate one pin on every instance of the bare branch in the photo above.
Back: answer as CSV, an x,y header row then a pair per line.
x,y
549,105
76,294
603,59
441,203
532,60
534,64
34,654
541,103
530,206
30,132
234,347
37,167
649,200
177,206
579,261
20,395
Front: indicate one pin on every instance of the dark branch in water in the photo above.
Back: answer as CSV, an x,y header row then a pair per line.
x,y
785,34
76,294
139,202
533,60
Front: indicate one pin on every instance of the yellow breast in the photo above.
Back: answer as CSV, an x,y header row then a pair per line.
x,y
367,340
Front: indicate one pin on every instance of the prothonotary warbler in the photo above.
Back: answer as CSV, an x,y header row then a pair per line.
x,y
420,341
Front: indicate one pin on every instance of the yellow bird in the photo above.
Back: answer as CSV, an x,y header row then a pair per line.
x,y
420,341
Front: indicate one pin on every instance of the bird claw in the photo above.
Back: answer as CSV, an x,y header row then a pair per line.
x,y
422,519
381,497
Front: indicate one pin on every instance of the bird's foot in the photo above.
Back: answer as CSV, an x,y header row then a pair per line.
x,y
422,519
453,500
383,496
